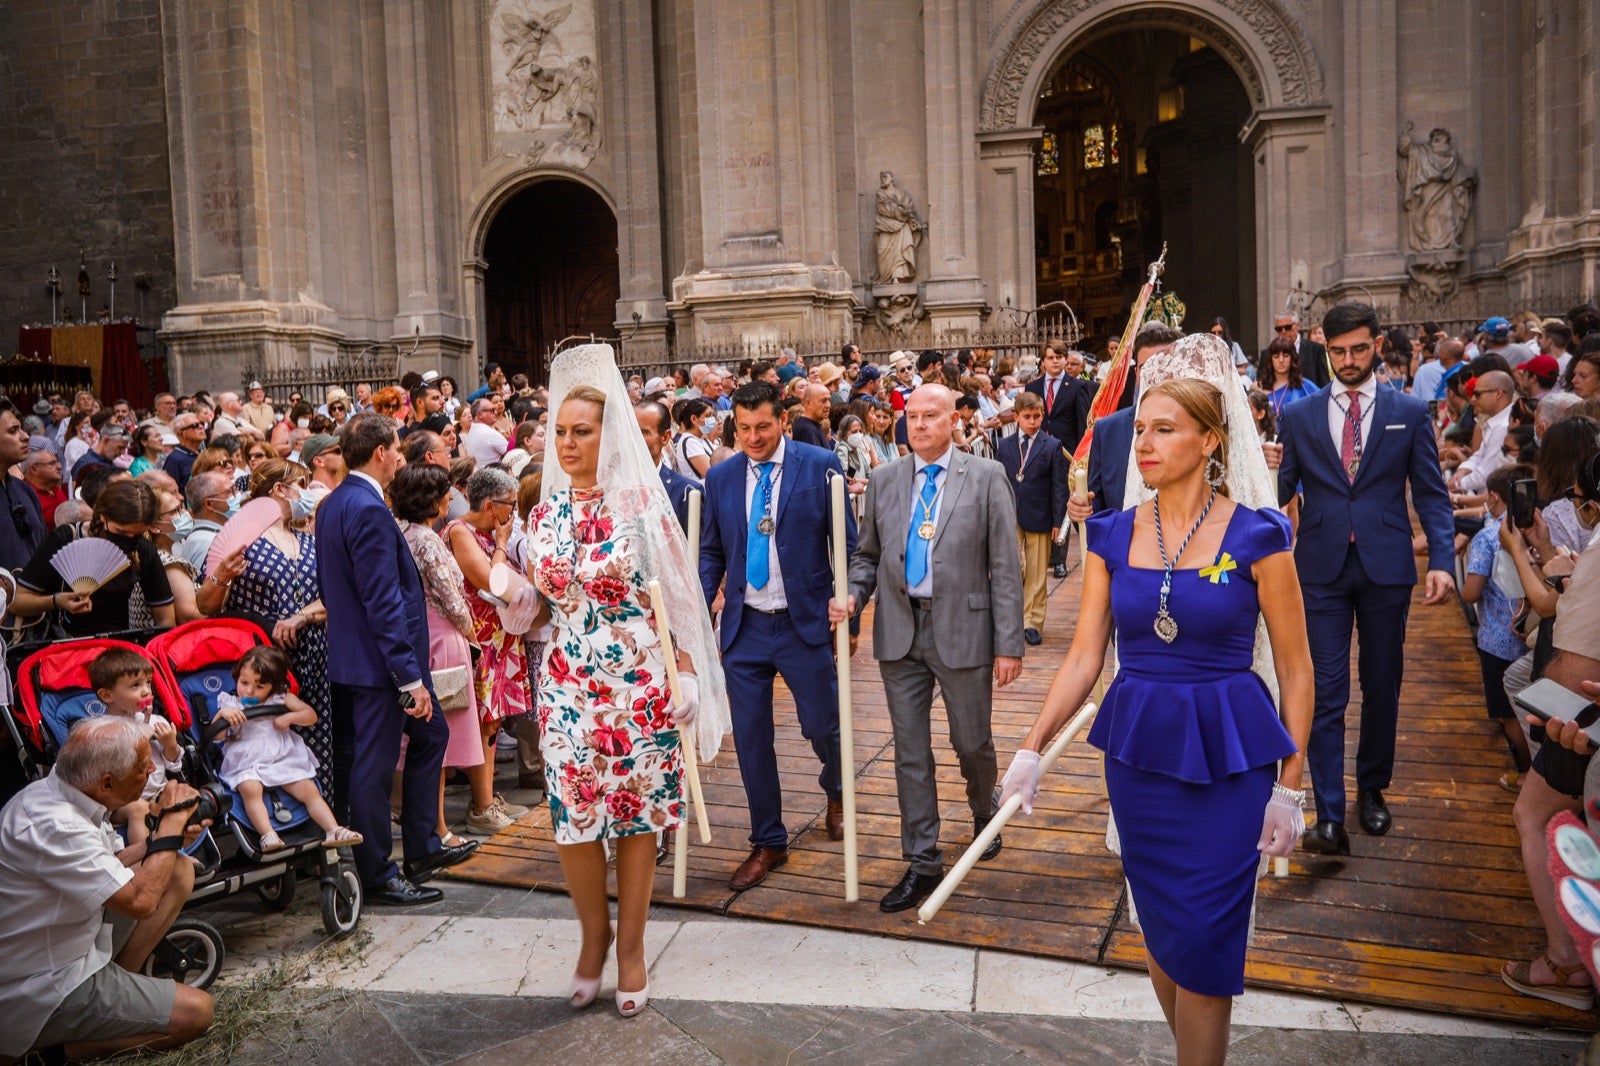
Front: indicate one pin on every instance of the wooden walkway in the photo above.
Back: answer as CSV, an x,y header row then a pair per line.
x,y
1421,918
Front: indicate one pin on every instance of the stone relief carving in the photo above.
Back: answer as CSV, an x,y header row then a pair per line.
x,y
546,86
1437,188
1294,62
897,230
899,310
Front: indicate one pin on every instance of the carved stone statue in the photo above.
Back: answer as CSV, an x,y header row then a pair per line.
x,y
1438,189
898,230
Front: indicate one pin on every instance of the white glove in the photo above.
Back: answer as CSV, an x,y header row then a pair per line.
x,y
517,616
1022,779
1283,823
689,704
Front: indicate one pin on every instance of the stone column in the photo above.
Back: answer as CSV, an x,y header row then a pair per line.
x,y
1373,230
1006,215
1293,221
953,293
627,34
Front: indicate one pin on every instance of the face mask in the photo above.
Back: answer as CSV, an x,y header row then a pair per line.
x,y
1578,509
302,507
304,423
857,440
709,426
234,503
122,540
183,525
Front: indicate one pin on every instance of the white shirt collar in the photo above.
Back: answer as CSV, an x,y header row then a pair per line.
x,y
369,479
943,460
776,458
1368,389
78,799
1500,417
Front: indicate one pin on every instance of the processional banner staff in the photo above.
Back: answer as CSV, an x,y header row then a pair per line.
x,y
847,734
691,793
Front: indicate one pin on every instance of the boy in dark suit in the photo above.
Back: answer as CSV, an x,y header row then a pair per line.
x,y
1036,470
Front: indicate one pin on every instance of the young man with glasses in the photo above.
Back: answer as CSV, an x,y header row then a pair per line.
x,y
1354,449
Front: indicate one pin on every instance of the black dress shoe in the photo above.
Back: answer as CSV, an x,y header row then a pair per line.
x,y
399,892
911,891
1374,812
1059,570
1032,637
424,868
1326,838
994,845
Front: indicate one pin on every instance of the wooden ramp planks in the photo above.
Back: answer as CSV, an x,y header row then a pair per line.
x,y
1421,918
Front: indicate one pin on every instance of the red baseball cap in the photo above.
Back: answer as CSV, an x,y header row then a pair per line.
x,y
1542,366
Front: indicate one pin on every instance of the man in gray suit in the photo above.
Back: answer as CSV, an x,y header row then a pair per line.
x,y
938,540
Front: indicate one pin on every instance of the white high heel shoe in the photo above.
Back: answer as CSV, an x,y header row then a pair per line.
x,y
631,1003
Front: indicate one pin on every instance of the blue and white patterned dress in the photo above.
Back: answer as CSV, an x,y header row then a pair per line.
x,y
275,587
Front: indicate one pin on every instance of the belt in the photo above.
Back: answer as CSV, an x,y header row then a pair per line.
x,y
763,610
921,603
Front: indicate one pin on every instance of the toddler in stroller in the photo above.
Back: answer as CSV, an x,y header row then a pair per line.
x,y
261,752
123,680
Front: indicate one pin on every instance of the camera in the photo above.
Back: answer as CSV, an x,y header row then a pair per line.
x,y
208,804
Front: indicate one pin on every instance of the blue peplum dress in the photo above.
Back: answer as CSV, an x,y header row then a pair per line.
x,y
1192,739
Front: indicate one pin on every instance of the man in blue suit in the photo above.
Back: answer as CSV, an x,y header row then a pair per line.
x,y
766,530
655,423
378,667
1352,449
1112,442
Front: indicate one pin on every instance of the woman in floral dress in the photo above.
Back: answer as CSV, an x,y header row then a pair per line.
x,y
478,540
610,738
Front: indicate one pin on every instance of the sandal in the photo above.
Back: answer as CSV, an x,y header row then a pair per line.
x,y
1511,782
450,840
1519,975
271,841
342,836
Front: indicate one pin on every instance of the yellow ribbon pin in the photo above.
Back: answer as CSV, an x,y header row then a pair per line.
x,y
1217,573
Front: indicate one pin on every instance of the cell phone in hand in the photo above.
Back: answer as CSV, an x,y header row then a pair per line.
x,y
1524,500
1546,699
407,701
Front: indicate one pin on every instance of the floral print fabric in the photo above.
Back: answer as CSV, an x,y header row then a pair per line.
x,y
611,753
501,673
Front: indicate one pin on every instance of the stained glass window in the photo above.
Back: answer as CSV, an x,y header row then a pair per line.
x,y
1116,154
1049,156
1094,147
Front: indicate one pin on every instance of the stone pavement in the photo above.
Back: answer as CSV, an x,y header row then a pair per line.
x,y
481,978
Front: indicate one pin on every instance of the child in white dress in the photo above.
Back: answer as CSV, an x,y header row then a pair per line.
x,y
121,680
264,753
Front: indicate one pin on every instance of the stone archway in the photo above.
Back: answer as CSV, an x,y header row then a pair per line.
x,y
1272,55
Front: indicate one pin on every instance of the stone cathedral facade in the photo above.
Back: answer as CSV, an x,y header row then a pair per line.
x,y
287,181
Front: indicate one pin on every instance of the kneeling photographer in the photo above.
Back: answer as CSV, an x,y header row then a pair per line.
x,y
83,913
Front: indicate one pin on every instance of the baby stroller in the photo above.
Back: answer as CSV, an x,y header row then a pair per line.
x,y
52,694
194,664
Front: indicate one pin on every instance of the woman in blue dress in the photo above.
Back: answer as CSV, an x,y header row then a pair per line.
x,y
1278,375
1192,739
275,580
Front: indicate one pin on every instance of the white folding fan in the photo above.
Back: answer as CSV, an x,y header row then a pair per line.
x,y
88,563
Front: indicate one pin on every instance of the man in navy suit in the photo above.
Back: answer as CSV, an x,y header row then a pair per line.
x,y
766,529
1036,470
1353,449
1112,442
378,666
655,422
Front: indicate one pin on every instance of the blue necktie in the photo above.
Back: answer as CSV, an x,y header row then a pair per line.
x,y
756,568
916,546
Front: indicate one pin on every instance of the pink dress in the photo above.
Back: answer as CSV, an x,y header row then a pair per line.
x,y
504,689
448,622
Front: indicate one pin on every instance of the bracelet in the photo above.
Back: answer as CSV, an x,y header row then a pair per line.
x,y
158,844
1289,795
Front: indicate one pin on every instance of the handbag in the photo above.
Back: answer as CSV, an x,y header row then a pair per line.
x,y
450,685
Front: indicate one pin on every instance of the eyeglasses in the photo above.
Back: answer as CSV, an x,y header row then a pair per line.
x,y
1360,351
1283,329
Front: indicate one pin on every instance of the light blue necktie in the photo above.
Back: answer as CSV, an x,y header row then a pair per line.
x,y
756,567
916,547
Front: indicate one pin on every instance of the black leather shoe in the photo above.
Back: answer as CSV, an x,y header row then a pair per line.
x,y
1326,838
1032,637
910,892
994,845
399,892
1059,570
1374,812
426,866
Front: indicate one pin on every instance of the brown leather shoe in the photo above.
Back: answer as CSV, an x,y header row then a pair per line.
x,y
835,819
754,870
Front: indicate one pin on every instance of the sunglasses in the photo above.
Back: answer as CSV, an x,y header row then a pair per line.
x,y
1282,329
